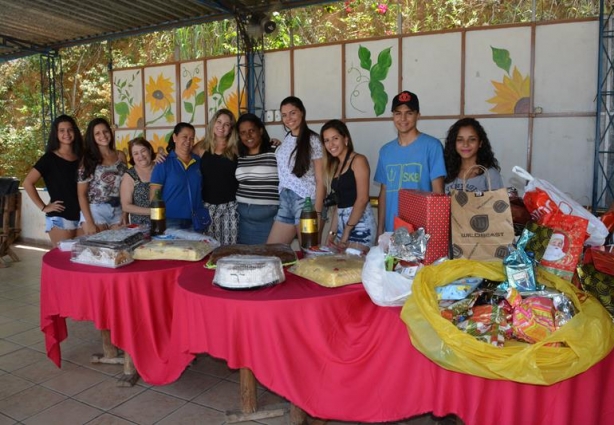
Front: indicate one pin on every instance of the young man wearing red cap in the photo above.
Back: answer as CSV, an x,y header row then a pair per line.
x,y
412,161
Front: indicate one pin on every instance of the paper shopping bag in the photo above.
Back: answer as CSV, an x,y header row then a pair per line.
x,y
481,223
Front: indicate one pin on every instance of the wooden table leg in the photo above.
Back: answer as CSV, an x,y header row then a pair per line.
x,y
249,402
110,353
130,376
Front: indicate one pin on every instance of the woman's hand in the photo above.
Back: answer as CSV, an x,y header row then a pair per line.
x,y
160,157
275,142
89,228
55,206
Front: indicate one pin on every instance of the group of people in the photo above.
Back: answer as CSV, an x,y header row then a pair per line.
x,y
240,186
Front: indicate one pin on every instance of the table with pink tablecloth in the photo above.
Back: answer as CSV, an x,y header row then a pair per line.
x,y
330,351
336,355
134,302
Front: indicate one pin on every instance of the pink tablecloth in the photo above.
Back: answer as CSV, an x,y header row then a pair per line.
x,y
135,302
336,355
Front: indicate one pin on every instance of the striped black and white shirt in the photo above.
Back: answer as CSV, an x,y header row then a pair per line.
x,y
258,179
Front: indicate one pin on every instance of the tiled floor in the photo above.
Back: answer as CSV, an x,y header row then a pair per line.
x,y
34,391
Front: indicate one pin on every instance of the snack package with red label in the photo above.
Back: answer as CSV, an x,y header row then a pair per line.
x,y
542,199
564,250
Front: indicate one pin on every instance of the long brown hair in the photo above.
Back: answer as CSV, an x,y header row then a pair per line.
x,y
330,162
302,151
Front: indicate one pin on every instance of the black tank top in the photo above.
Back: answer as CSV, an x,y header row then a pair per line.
x,y
345,187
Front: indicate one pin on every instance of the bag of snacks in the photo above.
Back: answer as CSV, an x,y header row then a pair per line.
x,y
542,199
584,340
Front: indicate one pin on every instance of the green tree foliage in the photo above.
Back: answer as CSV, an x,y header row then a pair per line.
x,y
87,89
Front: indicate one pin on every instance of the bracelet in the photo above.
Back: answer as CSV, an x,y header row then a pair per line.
x,y
44,206
350,225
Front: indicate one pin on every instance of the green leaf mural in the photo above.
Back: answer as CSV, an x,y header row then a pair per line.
x,y
377,74
226,81
502,58
365,58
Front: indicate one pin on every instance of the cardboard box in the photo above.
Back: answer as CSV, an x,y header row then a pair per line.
x,y
432,212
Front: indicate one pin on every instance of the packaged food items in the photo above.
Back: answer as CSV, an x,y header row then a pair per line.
x,y
532,317
116,238
172,250
408,246
598,284
519,266
101,256
248,272
318,250
331,270
283,251
458,289
564,250
487,323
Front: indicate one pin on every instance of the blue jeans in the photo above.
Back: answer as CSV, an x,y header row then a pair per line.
x,y
255,222
104,213
290,207
60,223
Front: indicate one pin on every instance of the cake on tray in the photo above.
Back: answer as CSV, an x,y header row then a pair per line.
x,y
248,272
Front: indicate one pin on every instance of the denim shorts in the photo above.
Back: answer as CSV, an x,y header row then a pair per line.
x,y
290,206
104,214
60,223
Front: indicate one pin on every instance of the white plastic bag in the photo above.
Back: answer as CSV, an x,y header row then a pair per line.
x,y
596,229
387,289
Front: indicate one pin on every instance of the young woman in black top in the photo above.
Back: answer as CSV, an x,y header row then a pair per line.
x,y
58,168
347,175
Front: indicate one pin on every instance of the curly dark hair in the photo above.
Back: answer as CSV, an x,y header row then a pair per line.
x,y
265,145
486,157
92,156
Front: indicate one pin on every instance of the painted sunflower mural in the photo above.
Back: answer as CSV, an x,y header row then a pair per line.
x,y
193,94
159,95
512,95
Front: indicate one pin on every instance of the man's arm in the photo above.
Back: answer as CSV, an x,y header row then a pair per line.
x,y
437,185
381,210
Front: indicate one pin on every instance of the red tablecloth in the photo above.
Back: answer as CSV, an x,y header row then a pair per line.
x,y
134,302
336,355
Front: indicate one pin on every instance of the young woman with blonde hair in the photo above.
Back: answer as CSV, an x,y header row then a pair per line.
x,y
219,152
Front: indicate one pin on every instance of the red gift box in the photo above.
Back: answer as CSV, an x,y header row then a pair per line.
x,y
432,212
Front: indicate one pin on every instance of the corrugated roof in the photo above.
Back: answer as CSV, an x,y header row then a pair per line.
x,y
38,26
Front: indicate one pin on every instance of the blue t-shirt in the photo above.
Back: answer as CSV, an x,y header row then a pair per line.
x,y
408,167
176,179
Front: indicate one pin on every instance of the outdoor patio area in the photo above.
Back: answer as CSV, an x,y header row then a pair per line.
x,y
34,391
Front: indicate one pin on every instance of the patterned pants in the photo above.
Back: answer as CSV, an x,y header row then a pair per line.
x,y
224,222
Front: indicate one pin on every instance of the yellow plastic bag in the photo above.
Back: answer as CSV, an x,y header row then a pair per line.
x,y
589,335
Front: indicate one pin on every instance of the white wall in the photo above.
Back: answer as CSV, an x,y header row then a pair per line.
x,y
33,219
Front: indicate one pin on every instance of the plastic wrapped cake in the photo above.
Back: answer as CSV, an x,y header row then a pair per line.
x,y
173,250
282,251
101,256
116,238
248,271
